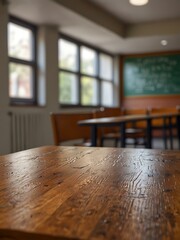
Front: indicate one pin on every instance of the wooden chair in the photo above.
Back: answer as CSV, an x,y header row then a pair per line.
x,y
108,133
136,131
65,128
161,125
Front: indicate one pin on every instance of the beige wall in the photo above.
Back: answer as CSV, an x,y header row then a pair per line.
x,y
47,78
4,100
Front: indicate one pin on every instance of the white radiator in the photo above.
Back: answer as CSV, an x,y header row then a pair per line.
x,y
26,130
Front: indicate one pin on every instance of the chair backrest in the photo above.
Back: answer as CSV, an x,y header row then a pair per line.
x,y
65,126
107,112
138,124
159,122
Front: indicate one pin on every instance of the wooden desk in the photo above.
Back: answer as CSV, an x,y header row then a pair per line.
x,y
90,193
122,120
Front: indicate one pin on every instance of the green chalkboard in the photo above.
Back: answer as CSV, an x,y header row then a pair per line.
x,y
152,75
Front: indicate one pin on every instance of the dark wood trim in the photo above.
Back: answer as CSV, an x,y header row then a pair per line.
x,y
79,74
175,52
22,22
31,63
21,61
154,96
80,43
121,80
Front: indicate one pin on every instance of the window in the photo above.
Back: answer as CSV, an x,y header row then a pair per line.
x,y
85,75
22,62
106,74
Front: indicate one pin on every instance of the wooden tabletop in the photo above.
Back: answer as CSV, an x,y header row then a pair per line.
x,y
90,193
126,118
122,120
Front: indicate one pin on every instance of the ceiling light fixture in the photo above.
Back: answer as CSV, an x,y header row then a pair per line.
x,y
138,2
164,42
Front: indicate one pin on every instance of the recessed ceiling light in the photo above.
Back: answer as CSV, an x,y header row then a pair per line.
x,y
138,2
164,42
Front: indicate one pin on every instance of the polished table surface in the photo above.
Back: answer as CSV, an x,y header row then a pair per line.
x,y
122,120
90,193
126,118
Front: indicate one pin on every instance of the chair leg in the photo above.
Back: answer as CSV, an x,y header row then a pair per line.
x,y
116,142
164,133
102,142
135,142
170,133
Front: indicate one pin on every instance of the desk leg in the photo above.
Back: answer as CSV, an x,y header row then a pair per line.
x,y
93,136
149,134
170,133
178,128
164,133
123,135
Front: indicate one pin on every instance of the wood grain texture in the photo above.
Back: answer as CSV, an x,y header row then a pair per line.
x,y
64,126
126,118
151,102
90,193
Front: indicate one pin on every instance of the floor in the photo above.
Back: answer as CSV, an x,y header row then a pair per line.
x,y
156,144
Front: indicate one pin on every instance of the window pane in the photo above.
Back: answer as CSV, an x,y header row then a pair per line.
x,y
20,42
106,94
20,83
88,61
106,67
68,55
68,86
89,91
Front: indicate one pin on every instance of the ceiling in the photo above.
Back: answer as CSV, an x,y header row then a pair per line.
x,y
113,25
155,10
